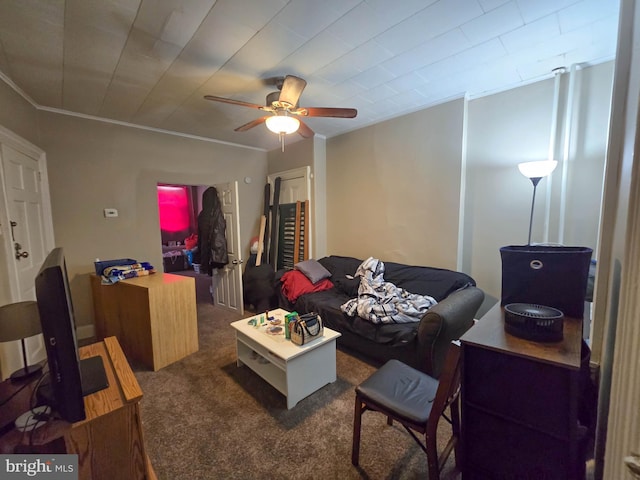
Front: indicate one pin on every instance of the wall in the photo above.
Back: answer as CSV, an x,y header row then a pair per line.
x,y
393,189
515,126
295,155
503,130
319,186
18,115
588,156
95,165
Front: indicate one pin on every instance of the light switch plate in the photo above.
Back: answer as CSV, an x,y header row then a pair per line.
x,y
110,212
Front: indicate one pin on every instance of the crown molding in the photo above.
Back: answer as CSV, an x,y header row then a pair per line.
x,y
11,84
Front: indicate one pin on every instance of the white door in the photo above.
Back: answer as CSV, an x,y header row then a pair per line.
x,y
27,236
227,281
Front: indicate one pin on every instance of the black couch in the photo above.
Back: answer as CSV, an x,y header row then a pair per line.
x,y
421,344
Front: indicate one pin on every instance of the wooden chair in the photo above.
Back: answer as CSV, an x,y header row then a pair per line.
x,y
415,400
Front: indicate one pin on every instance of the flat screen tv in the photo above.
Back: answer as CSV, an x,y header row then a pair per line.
x,y
69,378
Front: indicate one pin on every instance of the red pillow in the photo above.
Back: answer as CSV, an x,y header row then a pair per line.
x,y
296,283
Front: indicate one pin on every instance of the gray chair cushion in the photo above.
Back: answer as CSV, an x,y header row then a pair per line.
x,y
401,388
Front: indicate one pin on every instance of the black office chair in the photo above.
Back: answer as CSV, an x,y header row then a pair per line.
x,y
417,401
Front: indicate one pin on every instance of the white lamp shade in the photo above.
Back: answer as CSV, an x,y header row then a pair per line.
x,y
537,169
282,124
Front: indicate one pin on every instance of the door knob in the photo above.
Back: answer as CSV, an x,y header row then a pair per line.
x,y
20,254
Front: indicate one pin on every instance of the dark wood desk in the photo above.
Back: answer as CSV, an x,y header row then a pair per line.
x,y
108,442
520,403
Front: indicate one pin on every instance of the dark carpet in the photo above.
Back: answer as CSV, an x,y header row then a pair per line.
x,y
205,418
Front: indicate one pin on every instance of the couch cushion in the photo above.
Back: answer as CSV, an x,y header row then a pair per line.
x,y
348,286
313,270
327,304
339,266
438,283
391,334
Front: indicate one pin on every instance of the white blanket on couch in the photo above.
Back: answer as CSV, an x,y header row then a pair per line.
x,y
383,302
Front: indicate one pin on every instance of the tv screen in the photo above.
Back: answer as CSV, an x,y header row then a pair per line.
x,y
69,379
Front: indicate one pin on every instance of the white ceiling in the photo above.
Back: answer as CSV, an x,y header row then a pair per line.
x,y
150,62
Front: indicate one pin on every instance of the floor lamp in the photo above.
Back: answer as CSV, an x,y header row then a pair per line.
x,y
535,171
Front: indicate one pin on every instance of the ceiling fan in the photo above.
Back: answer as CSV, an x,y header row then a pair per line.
x,y
283,109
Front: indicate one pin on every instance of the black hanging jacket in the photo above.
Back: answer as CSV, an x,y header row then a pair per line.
x,y
212,241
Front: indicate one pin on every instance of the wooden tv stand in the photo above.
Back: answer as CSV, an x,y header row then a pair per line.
x,y
109,442
154,317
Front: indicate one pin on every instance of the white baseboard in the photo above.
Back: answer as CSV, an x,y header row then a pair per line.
x,y
85,331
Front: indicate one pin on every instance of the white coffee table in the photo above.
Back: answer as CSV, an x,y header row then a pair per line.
x,y
295,371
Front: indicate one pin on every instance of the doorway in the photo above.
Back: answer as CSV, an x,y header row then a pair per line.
x,y
26,235
295,187
179,206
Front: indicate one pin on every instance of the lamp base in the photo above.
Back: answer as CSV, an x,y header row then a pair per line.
x,y
26,372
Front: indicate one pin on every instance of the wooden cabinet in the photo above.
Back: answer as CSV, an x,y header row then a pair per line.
x,y
154,317
520,403
109,442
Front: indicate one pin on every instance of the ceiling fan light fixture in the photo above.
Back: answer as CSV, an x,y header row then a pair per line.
x,y
282,124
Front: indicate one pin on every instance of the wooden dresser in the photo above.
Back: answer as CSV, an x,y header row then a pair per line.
x,y
520,403
154,317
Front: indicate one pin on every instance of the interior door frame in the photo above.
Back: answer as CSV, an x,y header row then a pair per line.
x,y
304,172
9,271
10,353
237,264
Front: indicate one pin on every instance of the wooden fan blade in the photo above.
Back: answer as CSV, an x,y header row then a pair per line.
x,y
304,130
233,102
328,112
292,89
251,124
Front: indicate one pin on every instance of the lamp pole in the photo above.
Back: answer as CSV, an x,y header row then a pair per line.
x,y
536,171
535,181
